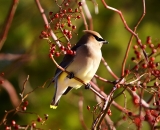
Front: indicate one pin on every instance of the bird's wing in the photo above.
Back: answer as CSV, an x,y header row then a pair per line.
x,y
67,60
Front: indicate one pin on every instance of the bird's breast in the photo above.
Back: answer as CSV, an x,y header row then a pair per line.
x,y
85,66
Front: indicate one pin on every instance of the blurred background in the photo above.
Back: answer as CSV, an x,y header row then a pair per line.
x,y
25,54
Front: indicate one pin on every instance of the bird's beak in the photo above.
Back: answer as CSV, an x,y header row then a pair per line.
x,y
105,42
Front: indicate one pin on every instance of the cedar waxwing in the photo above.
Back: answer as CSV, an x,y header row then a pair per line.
x,y
82,65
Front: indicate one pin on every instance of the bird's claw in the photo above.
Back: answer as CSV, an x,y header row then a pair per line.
x,y
70,75
87,86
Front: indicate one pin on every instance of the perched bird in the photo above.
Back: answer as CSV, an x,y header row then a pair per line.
x,y
82,65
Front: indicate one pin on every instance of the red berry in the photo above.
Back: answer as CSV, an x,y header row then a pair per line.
x,y
70,36
118,85
50,55
43,32
62,48
65,31
154,50
2,73
69,24
24,108
138,56
68,17
134,88
56,15
16,127
69,45
152,58
39,119
69,10
25,103
80,3
73,27
61,15
139,42
50,13
130,113
52,51
137,121
126,71
1,81
156,84
34,125
136,100
78,17
109,112
62,25
69,33
46,26
135,47
13,123
66,4
7,128
136,52
64,11
149,40
144,65
46,116
57,54
76,10
70,52
144,46
88,107
151,45
133,58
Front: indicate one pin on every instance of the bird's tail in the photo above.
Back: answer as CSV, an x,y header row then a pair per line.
x,y
54,104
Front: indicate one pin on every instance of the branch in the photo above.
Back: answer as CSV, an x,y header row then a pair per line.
x,y
88,15
108,68
131,38
7,23
47,23
11,92
81,114
126,26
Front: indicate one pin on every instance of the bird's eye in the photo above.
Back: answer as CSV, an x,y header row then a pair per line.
x,y
98,38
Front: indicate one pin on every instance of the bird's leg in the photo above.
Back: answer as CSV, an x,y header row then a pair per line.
x,y
70,75
87,86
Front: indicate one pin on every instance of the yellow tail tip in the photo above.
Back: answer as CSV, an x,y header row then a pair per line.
x,y
52,106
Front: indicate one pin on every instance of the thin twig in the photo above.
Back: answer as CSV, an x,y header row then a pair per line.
x,y
47,23
131,38
84,19
88,15
126,26
81,114
7,23
108,68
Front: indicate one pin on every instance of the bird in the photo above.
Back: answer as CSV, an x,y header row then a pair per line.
x,y
82,65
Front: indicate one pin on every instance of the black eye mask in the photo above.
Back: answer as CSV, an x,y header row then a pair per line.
x,y
98,38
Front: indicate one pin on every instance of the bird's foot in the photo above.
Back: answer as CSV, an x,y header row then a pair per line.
x,y
87,86
70,75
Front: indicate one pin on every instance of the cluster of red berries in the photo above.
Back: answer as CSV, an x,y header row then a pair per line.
x,y
62,23
139,55
24,105
152,116
33,124
142,65
61,50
